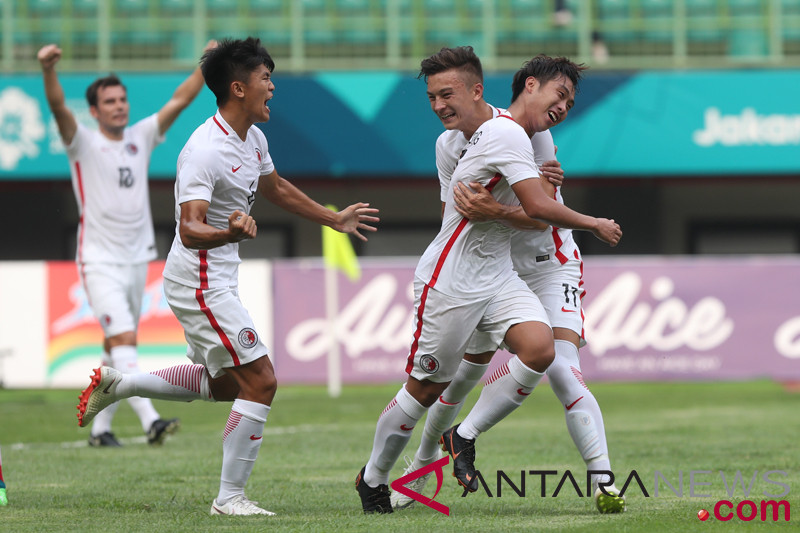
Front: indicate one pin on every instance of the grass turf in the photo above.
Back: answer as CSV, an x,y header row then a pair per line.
x,y
314,446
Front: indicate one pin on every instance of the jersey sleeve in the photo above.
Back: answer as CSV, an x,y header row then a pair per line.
x,y
445,165
509,152
147,130
196,176
265,160
544,148
79,140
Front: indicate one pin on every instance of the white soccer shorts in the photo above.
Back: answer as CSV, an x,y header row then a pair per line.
x,y
115,294
560,289
217,327
443,330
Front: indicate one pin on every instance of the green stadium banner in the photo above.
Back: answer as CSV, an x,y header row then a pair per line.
x,y
379,124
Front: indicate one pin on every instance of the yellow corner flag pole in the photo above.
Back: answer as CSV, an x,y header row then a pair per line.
x,y
338,254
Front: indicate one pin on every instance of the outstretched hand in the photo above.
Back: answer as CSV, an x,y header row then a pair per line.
x,y
355,217
608,231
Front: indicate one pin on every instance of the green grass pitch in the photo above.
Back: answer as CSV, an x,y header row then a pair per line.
x,y
314,446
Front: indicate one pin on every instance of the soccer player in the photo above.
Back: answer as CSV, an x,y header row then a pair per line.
x,y
223,165
3,495
465,280
546,258
109,169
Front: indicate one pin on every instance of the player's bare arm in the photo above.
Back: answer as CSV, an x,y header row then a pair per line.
x,y
182,97
48,56
198,235
476,203
351,220
537,204
553,174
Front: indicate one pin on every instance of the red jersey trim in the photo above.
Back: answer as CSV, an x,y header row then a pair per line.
x,y
220,125
435,278
198,294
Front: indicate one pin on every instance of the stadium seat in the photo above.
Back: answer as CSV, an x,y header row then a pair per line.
x,y
528,6
264,7
703,19
85,7
45,7
657,8
746,7
747,43
222,7
350,6
176,7
615,20
657,20
129,7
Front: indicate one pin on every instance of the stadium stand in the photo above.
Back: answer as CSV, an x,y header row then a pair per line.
x,y
352,34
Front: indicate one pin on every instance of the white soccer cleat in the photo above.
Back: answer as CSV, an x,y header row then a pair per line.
x,y
609,503
238,505
401,501
98,395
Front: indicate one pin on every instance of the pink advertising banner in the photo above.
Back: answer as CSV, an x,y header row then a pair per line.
x,y
646,319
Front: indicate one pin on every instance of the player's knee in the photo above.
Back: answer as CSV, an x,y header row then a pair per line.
x,y
270,383
537,356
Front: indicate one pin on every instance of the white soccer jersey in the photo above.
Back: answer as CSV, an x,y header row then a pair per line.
x,y
215,165
109,179
529,249
536,250
472,259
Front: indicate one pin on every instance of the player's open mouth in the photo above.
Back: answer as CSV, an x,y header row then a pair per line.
x,y
447,117
553,116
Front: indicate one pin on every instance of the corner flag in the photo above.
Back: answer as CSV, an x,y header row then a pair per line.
x,y
337,251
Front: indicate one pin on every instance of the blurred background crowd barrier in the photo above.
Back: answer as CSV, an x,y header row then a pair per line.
x,y
666,319
395,34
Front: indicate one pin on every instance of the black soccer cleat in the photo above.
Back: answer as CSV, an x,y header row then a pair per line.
x,y
463,453
160,429
373,500
104,439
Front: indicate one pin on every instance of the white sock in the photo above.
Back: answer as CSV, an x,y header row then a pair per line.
x,y
240,444
102,421
584,419
182,383
444,411
391,436
125,359
503,392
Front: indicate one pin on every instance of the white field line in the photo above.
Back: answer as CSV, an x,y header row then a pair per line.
x,y
287,430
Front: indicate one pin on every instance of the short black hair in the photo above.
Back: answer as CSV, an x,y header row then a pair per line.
x,y
461,58
544,69
101,83
232,60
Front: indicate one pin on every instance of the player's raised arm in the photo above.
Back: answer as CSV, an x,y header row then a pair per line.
x,y
182,97
355,217
48,56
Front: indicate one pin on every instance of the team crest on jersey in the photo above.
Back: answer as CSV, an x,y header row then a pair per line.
x,y
131,148
258,153
248,337
105,320
429,364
